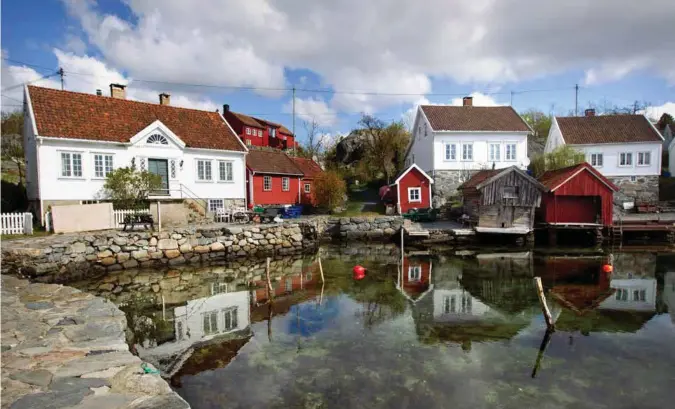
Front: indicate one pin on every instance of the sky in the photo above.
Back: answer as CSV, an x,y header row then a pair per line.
x,y
347,57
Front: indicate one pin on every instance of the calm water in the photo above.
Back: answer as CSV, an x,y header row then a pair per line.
x,y
422,332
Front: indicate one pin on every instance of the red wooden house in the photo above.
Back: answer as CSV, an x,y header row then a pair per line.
x,y
259,132
577,194
410,190
415,278
310,169
272,178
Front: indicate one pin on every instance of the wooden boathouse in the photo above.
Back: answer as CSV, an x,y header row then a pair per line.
x,y
502,201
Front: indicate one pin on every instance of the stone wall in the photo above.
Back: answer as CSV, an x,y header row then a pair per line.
x,y
379,229
643,189
446,183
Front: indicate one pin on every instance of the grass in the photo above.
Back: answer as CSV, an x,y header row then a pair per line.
x,y
36,233
355,209
363,201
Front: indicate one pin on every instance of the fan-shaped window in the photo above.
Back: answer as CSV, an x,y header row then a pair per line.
x,y
157,139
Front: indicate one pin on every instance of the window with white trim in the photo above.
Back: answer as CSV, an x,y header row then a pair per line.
x,y
260,133
204,170
467,151
248,142
273,133
644,158
103,164
210,322
308,187
230,319
450,151
225,173
71,165
449,304
248,131
219,288
267,183
414,194
285,184
289,285
215,204
625,159
414,273
596,160
510,149
494,152
156,139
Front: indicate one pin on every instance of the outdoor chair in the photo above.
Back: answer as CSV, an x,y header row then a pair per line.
x,y
134,220
223,215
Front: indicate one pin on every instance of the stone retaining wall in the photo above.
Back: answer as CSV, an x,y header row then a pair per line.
x,y
378,229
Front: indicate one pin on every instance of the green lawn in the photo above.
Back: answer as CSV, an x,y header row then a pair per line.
x,y
36,233
363,200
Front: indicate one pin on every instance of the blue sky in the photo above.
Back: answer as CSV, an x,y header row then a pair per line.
x,y
381,57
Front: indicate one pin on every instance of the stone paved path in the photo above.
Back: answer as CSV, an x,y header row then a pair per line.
x,y
62,348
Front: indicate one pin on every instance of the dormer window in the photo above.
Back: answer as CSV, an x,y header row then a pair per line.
x,y
157,139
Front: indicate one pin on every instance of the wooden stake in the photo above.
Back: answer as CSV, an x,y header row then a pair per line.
x,y
321,270
542,349
544,306
270,291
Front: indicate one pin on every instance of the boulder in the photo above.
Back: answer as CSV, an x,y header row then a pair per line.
x,y
167,244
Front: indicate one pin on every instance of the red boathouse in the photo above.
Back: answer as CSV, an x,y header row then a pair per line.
x,y
410,190
577,194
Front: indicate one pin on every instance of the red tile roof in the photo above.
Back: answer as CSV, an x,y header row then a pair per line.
x,y
75,115
307,166
552,179
585,130
260,123
472,118
273,162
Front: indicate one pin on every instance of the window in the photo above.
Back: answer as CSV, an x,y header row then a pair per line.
x,y
260,133
210,322
510,192
248,131
494,152
639,295
156,139
633,178
230,320
267,183
219,288
626,159
450,304
467,151
71,165
425,130
596,160
215,204
273,133
644,158
285,184
179,330
415,273
289,285
510,151
248,142
414,194
225,171
467,304
621,294
203,170
450,151
103,164
308,187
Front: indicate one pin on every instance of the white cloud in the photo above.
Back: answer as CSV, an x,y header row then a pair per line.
x,y
655,112
313,109
479,100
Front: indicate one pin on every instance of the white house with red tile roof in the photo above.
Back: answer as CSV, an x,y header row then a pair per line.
x,y
73,140
624,148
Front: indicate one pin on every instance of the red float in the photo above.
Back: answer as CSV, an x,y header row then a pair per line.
x,y
607,268
359,272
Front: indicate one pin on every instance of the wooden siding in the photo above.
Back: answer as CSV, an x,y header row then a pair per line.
x,y
505,216
528,193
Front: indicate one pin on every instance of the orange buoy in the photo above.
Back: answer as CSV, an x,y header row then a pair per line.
x,y
359,272
607,268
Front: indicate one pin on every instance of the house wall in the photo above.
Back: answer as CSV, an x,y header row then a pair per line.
x,y
412,179
307,198
671,158
414,288
422,150
276,196
466,306
30,155
489,216
480,141
554,138
632,301
610,152
88,187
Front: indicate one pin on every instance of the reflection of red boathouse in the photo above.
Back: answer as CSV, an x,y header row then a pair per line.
x,y
288,284
415,277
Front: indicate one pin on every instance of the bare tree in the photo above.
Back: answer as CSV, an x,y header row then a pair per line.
x,y
316,139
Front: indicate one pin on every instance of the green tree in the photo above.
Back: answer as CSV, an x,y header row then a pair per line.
x,y
559,158
13,159
129,188
539,122
666,119
329,190
385,145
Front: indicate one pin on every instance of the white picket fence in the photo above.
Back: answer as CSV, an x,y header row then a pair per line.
x,y
16,223
119,214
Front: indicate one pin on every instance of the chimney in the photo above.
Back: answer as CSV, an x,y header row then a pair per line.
x,y
118,91
226,108
164,99
589,112
99,93
467,101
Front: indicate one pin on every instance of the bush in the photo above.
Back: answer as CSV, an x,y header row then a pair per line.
x,y
329,190
128,188
559,158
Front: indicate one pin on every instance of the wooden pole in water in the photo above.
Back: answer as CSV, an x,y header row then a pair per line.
x,y
542,349
544,306
321,270
270,292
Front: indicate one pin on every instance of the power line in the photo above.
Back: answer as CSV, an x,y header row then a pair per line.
x,y
12,98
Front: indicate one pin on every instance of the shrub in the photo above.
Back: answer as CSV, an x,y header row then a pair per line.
x,y
559,158
329,190
129,188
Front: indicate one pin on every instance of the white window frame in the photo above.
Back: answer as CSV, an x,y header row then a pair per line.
x,y
220,288
215,204
491,152
248,142
267,179
211,323
465,156
71,164
450,152
419,194
273,132
229,178
248,131
285,184
414,273
510,152
642,155
308,187
208,170
626,155
105,170
260,133
232,313
593,157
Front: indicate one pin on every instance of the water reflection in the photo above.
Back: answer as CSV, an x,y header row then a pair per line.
x,y
466,329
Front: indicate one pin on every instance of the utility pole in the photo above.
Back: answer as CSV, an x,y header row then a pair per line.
x,y
61,74
576,99
511,98
294,135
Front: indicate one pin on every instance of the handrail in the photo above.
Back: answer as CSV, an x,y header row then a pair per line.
x,y
193,196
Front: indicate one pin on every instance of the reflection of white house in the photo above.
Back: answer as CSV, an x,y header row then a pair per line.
x,y
457,304
632,294
669,293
